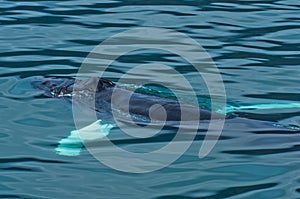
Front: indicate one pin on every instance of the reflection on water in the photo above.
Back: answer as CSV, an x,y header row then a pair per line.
x,y
255,45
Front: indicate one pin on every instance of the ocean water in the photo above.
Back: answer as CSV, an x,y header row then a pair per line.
x,y
255,45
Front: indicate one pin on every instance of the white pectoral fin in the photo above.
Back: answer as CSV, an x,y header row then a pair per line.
x,y
72,145
265,106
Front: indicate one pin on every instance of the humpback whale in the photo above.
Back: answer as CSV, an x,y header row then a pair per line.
x,y
139,104
141,107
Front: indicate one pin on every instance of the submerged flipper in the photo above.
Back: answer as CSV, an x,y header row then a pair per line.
x,y
72,145
234,108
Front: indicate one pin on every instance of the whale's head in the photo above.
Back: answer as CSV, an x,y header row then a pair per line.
x,y
54,86
64,87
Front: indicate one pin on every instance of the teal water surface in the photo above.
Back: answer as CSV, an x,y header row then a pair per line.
x,y
255,45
